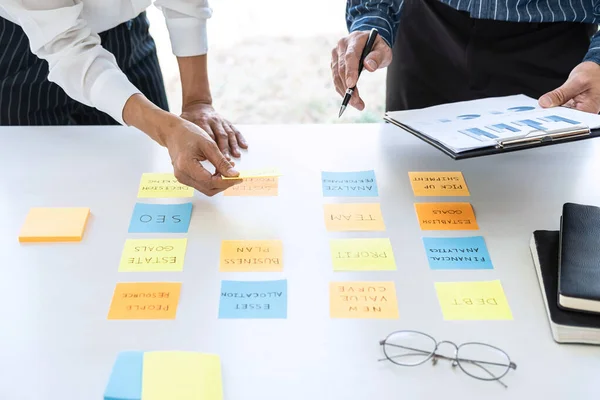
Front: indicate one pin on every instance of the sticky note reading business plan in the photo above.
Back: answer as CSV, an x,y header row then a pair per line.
x,y
349,184
473,300
253,299
153,255
363,300
457,253
446,216
362,255
353,217
251,255
151,300
163,186
257,173
160,218
438,184
255,187
54,224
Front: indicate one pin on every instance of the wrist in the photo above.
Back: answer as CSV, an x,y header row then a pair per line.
x,y
150,119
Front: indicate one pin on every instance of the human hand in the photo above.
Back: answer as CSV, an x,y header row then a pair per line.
x,y
581,91
345,58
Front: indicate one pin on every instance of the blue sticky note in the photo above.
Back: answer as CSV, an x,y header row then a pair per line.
x,y
125,382
253,299
457,253
349,184
161,218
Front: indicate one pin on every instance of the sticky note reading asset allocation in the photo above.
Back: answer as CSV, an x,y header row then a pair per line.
x,y
349,184
438,184
160,218
353,217
473,300
153,255
446,216
162,186
363,300
257,173
253,299
362,255
255,187
251,255
457,253
151,300
54,225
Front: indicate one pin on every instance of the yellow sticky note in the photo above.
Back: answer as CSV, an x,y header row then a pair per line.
x,y
54,224
446,216
354,217
153,255
438,184
257,173
255,187
363,300
362,255
180,375
145,300
163,186
251,255
473,300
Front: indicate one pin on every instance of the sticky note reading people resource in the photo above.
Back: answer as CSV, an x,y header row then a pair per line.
x,y
353,217
251,255
255,187
253,299
438,184
457,253
446,216
153,255
362,255
349,184
363,300
160,218
152,300
257,173
163,186
473,300
54,225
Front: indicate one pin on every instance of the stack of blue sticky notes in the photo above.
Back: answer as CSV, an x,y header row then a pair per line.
x,y
125,382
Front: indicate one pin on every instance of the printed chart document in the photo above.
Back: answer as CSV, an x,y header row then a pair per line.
x,y
493,122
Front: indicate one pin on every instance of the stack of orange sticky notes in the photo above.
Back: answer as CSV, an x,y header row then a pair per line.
x,y
54,224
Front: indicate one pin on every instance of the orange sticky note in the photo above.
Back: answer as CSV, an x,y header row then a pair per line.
x,y
354,217
446,216
438,184
363,300
255,187
54,225
145,300
251,255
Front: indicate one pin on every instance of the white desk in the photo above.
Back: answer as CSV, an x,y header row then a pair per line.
x,y
57,344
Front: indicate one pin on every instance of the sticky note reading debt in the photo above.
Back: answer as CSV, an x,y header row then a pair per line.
x,y
349,184
446,216
253,299
255,187
153,300
363,300
362,255
162,186
256,173
353,217
457,253
153,255
438,184
54,225
251,255
473,300
160,218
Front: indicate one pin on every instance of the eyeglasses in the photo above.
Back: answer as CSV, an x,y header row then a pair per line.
x,y
478,360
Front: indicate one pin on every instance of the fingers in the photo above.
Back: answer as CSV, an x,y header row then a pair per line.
x,y
356,101
571,88
241,140
351,58
192,173
217,158
379,57
221,137
232,140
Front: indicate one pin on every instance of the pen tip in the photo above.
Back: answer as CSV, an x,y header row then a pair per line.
x,y
341,111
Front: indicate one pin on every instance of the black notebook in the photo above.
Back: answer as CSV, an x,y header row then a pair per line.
x,y
567,326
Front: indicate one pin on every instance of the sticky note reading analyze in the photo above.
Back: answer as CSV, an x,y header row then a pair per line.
x,y
256,173
160,218
163,186
349,184
253,299
255,187
363,300
353,217
446,216
54,224
152,300
438,184
457,253
153,255
473,300
251,255
362,255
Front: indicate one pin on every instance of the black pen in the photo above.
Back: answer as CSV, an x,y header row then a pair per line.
x,y
365,53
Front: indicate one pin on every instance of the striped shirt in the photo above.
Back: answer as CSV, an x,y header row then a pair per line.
x,y
385,15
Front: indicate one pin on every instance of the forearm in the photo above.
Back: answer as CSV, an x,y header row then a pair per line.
x,y
194,79
384,15
149,118
593,53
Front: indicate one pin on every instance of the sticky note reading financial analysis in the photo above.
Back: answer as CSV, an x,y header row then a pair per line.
x,y
362,255
255,187
153,255
446,216
153,300
349,184
438,184
256,173
54,224
457,253
473,300
363,300
251,255
160,218
253,299
162,186
353,217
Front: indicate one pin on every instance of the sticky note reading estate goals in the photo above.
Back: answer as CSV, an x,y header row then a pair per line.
x,y
363,300
152,300
256,173
353,217
162,186
362,255
254,187
251,256
54,225
446,216
153,255
473,300
438,184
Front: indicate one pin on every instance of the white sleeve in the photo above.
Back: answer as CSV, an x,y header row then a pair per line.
x,y
186,21
76,59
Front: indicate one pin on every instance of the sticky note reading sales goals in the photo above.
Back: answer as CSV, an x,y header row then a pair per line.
x,y
473,300
362,255
353,217
256,173
162,186
251,256
446,216
438,184
153,255
145,300
54,224
363,300
254,187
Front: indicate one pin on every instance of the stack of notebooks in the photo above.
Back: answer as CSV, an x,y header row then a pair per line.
x,y
568,269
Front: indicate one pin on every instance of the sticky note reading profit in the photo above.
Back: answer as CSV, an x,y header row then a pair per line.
x,y
363,300
160,218
153,255
457,253
349,184
255,187
251,255
54,225
446,216
257,173
362,255
473,300
163,186
253,299
145,300
353,217
438,184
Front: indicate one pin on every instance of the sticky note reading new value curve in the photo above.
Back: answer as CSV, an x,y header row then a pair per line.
x,y
251,255
363,300
473,300
154,185
160,218
457,253
446,216
349,184
438,184
362,255
145,300
153,255
353,217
